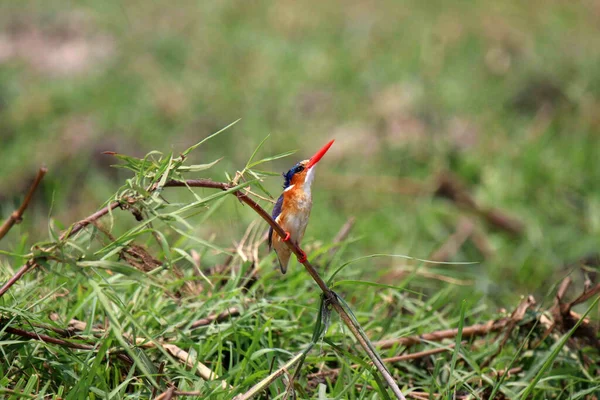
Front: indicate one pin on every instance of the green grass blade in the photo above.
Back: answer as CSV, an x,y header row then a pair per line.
x,y
192,148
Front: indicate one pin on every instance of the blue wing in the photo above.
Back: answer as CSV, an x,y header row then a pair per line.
x,y
276,212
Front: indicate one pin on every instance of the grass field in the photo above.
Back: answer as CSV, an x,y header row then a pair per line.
x,y
467,134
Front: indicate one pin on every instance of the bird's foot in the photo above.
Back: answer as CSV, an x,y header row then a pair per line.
x,y
287,237
302,259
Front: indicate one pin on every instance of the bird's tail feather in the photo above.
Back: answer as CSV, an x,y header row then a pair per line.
x,y
284,258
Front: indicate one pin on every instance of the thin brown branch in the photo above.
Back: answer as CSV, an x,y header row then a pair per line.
x,y
420,354
333,373
428,396
341,236
516,317
56,341
482,243
467,332
79,225
161,369
22,271
585,296
17,215
47,339
344,230
564,318
174,393
75,228
168,395
230,312
562,290
419,395
452,188
452,245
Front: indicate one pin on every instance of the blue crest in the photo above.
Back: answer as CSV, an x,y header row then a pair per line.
x,y
288,175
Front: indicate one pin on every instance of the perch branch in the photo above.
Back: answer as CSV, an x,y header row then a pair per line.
x,y
330,296
17,215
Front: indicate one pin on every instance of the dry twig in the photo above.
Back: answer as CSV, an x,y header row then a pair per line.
x,y
17,215
340,237
452,245
451,187
516,317
76,325
171,392
56,341
230,312
467,332
262,385
564,318
333,373
168,395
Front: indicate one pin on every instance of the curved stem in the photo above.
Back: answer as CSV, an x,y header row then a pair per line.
x,y
329,294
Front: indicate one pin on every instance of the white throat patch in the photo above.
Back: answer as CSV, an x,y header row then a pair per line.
x,y
310,176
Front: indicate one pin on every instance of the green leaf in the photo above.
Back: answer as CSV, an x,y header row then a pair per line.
x,y
275,157
203,242
261,173
259,353
344,265
256,151
189,258
190,149
163,172
141,360
198,167
258,184
457,343
114,266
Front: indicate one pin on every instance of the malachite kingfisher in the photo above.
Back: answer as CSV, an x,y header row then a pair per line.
x,y
293,207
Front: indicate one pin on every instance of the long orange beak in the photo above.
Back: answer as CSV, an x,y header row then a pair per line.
x,y
318,155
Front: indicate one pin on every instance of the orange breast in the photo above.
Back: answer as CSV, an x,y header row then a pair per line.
x,y
295,213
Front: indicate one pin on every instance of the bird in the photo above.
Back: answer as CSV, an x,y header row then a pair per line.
x,y
292,209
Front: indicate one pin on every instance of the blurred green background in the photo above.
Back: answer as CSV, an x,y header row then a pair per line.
x,y
505,95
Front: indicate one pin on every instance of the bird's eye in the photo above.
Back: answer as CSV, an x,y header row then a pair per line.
x,y
299,168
